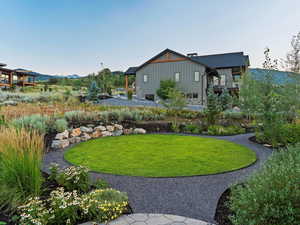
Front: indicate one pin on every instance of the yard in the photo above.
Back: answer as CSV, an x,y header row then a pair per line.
x,y
159,155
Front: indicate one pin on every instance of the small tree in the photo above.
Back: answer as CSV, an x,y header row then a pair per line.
x,y
165,87
93,91
174,104
226,100
292,61
213,108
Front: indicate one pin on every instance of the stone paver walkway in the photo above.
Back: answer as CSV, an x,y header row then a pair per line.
x,y
194,197
152,219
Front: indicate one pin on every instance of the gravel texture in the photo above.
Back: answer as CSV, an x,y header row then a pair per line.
x,y
194,197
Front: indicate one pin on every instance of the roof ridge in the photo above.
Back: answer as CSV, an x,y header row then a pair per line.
x,y
220,54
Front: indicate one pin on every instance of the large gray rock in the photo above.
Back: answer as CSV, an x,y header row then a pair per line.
x,y
86,129
62,135
100,128
60,144
85,137
139,131
117,133
74,140
106,133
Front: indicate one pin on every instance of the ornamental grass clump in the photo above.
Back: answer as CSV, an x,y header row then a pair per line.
x,y
20,162
271,195
33,122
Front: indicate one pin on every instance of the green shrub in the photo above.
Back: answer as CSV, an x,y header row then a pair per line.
x,y
289,134
129,94
60,125
71,178
191,128
165,87
271,195
79,117
101,184
33,122
220,130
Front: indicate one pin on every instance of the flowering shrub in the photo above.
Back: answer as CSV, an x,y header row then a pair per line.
x,y
66,208
104,204
71,178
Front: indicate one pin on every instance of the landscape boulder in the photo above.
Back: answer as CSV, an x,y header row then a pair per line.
x,y
106,134
96,134
85,137
86,129
110,128
75,132
100,128
62,135
60,144
118,127
74,140
117,133
139,131
128,131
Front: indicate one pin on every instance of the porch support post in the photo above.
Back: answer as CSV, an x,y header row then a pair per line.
x,y
126,82
10,79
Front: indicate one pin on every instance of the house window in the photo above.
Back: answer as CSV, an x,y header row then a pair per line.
x,y
236,77
222,80
149,97
177,77
216,81
145,78
189,95
195,95
197,76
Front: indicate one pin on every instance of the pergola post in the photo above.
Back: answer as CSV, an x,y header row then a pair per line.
x,y
126,82
10,79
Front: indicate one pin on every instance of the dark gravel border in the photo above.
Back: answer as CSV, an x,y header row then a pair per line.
x,y
194,197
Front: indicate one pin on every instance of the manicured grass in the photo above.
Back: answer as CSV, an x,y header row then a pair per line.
x,y
159,155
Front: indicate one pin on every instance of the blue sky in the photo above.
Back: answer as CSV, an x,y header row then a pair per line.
x,y
75,36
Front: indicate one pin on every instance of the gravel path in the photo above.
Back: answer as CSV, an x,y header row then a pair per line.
x,y
194,197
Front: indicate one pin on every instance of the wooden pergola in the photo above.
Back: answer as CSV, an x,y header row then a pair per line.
x,y
9,77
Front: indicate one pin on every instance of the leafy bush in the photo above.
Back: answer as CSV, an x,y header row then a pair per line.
x,y
71,178
271,195
33,122
129,94
191,128
60,125
20,163
165,87
220,130
289,134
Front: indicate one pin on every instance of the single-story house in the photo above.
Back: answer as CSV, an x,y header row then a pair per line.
x,y
192,73
9,77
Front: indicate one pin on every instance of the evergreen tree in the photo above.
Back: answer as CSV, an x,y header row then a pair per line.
x,y
93,91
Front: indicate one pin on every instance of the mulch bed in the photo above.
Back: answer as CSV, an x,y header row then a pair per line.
x,y
223,212
47,187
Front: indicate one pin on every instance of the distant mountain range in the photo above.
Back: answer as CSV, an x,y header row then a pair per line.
x,y
45,77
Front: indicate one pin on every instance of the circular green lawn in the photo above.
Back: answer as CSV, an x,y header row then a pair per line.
x,y
160,155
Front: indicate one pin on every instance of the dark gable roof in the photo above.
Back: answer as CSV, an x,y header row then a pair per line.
x,y
226,60
234,59
131,71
